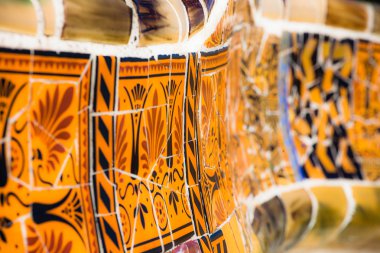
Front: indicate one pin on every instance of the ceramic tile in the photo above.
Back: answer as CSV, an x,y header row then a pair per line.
x,y
113,21
232,232
362,134
147,236
196,201
15,67
137,150
376,22
245,11
362,230
49,16
48,217
205,243
216,39
321,93
209,4
157,27
332,209
54,111
313,12
20,131
25,9
13,242
352,15
262,116
196,15
104,97
111,238
60,67
274,208
133,83
218,241
103,143
52,143
273,9
298,209
161,209
127,195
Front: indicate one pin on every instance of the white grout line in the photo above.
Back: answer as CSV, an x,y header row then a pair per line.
x,y
351,207
24,233
59,14
134,35
40,18
156,219
63,167
97,215
91,148
371,17
29,130
52,81
179,20
117,113
115,193
205,11
314,212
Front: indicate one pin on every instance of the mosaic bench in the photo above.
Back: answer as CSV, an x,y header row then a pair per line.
x,y
189,126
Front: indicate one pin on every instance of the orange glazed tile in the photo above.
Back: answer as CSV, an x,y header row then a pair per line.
x,y
218,241
198,213
179,214
147,235
58,66
233,234
363,134
133,84
127,195
15,67
13,242
66,220
161,213
54,123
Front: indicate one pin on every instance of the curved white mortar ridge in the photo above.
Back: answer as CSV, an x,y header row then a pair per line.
x,y
314,213
277,27
54,43
134,38
59,14
371,17
351,207
308,183
40,18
